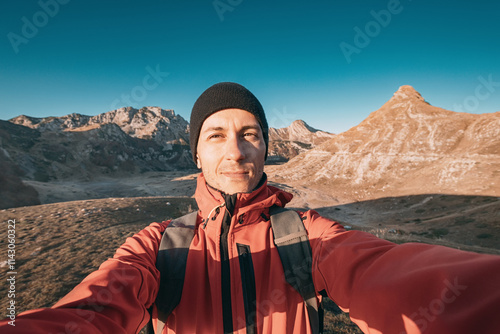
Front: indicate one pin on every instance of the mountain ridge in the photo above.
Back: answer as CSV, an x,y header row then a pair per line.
x,y
162,125
407,146
119,142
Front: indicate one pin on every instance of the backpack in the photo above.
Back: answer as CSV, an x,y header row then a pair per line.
x,y
290,238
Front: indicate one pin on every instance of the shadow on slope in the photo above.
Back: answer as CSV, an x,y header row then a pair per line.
x,y
13,192
465,222
172,184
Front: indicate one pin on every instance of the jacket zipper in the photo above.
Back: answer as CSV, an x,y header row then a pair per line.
x,y
227,314
248,284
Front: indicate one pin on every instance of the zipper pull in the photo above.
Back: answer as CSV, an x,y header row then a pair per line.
x,y
217,210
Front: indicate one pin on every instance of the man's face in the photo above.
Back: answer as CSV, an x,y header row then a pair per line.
x,y
231,151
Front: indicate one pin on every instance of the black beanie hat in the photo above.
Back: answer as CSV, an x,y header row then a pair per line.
x,y
224,95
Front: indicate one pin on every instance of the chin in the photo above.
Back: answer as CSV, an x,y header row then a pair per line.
x,y
236,188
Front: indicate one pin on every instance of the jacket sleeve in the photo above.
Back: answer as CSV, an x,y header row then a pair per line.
x,y
408,288
112,299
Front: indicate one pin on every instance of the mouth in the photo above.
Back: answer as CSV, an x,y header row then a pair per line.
x,y
236,174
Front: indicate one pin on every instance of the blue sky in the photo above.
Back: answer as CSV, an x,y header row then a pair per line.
x,y
330,63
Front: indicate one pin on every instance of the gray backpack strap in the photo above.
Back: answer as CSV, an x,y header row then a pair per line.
x,y
290,237
171,262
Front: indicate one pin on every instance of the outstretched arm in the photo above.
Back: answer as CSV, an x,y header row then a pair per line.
x,y
407,288
112,299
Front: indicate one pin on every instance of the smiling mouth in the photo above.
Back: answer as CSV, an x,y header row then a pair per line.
x,y
235,174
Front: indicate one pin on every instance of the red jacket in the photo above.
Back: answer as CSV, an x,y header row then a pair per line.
x,y
386,288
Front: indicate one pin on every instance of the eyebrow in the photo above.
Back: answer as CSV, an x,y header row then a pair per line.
x,y
220,128
214,128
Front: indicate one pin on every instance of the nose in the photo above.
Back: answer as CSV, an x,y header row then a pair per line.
x,y
234,149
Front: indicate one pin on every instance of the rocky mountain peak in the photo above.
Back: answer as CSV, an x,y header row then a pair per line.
x,y
301,126
298,137
299,131
408,93
24,120
406,106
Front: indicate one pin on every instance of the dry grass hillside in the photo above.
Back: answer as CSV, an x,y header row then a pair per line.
x,y
59,244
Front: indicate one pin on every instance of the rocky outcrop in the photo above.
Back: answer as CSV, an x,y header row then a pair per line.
x,y
286,143
125,140
406,147
151,123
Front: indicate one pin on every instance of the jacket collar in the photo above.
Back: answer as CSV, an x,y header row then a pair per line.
x,y
262,197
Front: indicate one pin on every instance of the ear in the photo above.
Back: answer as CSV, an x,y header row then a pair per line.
x,y
198,162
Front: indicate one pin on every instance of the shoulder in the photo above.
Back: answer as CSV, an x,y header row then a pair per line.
x,y
317,225
144,242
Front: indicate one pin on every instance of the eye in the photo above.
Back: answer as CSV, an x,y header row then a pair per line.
x,y
251,137
215,136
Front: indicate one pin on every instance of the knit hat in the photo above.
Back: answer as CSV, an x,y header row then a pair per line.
x,y
224,95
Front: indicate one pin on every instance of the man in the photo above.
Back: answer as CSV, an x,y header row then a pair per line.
x,y
234,276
